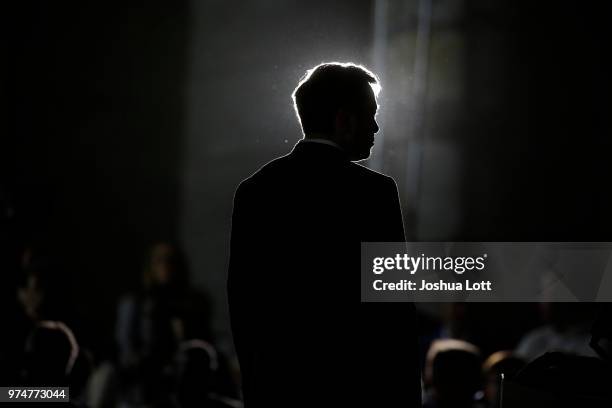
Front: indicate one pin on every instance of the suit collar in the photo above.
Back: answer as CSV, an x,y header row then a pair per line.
x,y
321,140
315,148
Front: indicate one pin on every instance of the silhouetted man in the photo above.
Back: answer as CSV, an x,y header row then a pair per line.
x,y
301,334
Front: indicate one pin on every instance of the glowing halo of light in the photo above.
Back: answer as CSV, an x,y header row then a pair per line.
x,y
375,85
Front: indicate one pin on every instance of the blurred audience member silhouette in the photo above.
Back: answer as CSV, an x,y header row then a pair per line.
x,y
196,367
43,288
601,333
560,380
38,292
498,364
566,330
152,322
53,358
51,354
452,375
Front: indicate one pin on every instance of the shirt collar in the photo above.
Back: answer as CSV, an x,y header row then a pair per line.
x,y
321,140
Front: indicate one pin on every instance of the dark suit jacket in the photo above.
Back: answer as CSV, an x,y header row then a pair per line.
x,y
301,334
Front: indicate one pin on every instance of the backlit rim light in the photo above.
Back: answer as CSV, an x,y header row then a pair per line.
x,y
376,87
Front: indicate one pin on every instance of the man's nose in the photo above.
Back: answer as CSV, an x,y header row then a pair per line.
x,y
376,128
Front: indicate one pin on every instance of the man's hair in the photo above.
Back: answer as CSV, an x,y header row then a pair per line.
x,y
328,87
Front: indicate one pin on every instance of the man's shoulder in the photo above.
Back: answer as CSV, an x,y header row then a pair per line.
x,y
284,167
266,174
370,175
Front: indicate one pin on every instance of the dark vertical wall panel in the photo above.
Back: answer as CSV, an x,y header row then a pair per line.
x,y
95,126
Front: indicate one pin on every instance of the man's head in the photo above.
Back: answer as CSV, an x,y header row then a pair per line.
x,y
337,101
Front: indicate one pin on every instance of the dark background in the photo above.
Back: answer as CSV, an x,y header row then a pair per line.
x,y
127,123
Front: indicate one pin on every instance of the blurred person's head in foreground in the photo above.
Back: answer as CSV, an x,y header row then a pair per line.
x,y
337,102
195,366
453,373
498,364
560,380
51,353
